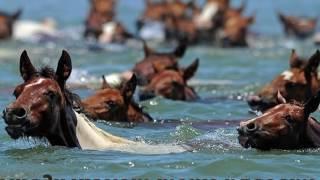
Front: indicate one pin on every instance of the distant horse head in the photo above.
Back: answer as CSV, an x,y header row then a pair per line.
x,y
299,83
156,62
6,23
235,31
43,106
100,23
113,104
172,84
285,126
157,11
298,26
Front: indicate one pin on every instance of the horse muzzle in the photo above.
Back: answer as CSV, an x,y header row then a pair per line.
x,y
16,120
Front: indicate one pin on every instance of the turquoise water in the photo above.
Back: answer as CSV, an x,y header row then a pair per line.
x,y
228,72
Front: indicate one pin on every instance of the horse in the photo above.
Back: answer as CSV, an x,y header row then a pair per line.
x,y
101,24
6,23
156,13
235,31
44,108
115,104
298,26
171,84
157,61
300,83
286,126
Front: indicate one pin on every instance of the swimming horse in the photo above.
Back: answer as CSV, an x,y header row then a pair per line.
x,y
285,126
44,108
115,104
300,82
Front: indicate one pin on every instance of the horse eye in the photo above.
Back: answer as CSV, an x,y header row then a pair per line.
x,y
289,119
111,104
50,94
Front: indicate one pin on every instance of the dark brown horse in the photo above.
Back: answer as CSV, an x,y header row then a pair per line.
x,y
44,108
112,104
299,83
298,26
101,24
6,23
156,62
172,84
285,126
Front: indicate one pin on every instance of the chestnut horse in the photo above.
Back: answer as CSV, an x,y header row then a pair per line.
x,y
285,126
100,23
112,104
172,84
300,83
44,108
6,23
156,62
235,30
298,26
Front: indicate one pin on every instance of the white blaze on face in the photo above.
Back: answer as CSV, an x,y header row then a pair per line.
x,y
108,31
208,12
39,81
287,75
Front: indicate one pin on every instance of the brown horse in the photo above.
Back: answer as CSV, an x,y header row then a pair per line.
x,y
299,83
285,126
6,23
156,62
172,84
235,30
163,11
298,26
101,24
113,104
44,108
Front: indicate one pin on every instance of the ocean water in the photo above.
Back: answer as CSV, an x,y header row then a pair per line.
x,y
223,73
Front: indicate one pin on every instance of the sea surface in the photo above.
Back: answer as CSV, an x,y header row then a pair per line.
x,y
224,76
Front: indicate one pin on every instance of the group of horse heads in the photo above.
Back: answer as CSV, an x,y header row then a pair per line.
x,y
215,22
45,108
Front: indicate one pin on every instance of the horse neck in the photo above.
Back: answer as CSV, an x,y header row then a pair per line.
x,y
65,132
311,135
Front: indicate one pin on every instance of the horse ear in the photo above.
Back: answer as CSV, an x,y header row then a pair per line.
x,y
313,62
293,58
105,84
147,50
312,104
181,49
189,72
129,88
280,98
17,14
242,6
27,70
64,68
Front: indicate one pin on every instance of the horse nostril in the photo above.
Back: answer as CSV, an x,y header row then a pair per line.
x,y
251,127
19,113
